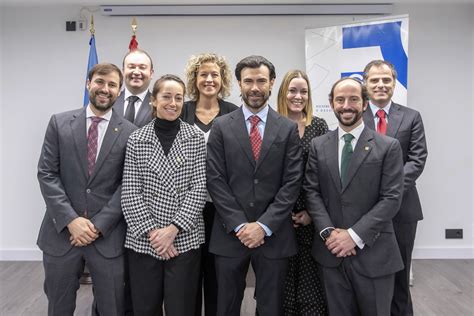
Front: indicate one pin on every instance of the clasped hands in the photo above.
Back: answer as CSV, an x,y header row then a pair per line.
x,y
162,239
82,231
340,243
251,235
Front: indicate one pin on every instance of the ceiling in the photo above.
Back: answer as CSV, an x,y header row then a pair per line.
x,y
195,2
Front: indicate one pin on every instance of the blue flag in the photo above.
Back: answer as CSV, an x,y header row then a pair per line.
x,y
93,60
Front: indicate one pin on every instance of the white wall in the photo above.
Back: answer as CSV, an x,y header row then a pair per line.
x,y
43,67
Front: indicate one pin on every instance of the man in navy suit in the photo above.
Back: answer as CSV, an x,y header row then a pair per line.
x,y
404,124
254,170
354,183
80,176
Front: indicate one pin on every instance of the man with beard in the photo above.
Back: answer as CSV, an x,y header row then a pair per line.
x,y
80,176
406,125
354,185
254,171
133,102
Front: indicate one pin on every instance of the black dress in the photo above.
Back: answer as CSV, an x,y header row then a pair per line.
x,y
304,291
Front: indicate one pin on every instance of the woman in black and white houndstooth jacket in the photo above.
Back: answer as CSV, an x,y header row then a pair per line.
x,y
163,194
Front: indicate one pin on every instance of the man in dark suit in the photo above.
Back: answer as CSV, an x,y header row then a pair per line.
x,y
354,183
133,102
404,124
253,176
80,176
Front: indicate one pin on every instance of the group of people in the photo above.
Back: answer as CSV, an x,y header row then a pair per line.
x,y
168,201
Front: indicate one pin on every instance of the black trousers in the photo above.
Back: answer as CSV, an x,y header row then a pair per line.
x,y
172,282
207,277
401,303
270,277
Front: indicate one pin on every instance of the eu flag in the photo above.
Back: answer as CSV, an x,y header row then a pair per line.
x,y
93,60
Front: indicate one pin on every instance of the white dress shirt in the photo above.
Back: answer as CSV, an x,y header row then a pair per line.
x,y
374,110
138,103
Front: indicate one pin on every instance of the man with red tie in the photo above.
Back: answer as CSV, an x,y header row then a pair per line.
x,y
406,125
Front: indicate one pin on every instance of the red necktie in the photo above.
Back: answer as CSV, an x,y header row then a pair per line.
x,y
92,137
382,124
255,138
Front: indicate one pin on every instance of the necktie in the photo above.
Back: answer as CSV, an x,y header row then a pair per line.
x,y
130,113
255,138
346,156
92,137
382,124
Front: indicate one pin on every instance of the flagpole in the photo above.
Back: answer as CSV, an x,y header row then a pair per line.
x,y
93,59
133,42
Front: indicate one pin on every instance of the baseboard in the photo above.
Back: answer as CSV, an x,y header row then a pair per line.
x,y
443,253
21,255
418,253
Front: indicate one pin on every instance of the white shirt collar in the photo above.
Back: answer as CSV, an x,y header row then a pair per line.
x,y
107,116
355,132
262,114
375,108
141,95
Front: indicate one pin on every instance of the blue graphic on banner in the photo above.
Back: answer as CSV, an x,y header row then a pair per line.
x,y
385,35
354,74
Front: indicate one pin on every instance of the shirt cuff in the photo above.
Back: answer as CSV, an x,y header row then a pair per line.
x,y
268,231
359,242
236,230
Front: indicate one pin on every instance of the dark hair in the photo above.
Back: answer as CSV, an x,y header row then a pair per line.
x,y
158,84
364,94
379,63
254,61
140,51
105,69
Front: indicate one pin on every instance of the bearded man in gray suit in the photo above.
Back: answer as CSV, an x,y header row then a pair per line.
x,y
80,176
406,125
354,183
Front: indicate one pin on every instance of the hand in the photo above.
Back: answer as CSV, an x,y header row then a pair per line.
x,y
251,235
82,231
161,239
170,253
340,243
301,219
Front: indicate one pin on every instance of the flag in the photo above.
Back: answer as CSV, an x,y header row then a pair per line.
x,y
93,60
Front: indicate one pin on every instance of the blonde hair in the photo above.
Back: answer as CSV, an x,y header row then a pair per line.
x,y
283,92
192,69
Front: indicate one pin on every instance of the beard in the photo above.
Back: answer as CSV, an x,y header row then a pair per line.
x,y
350,122
101,106
256,103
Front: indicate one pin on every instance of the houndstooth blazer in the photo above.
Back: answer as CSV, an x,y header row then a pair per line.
x,y
158,189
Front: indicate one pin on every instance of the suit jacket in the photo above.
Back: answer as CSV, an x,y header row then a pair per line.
x,y
161,189
144,115
68,190
245,190
405,124
367,203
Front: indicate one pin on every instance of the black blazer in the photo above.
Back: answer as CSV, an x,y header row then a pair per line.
x,y
405,125
188,113
245,190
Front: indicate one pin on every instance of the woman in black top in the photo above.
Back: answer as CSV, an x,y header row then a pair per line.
x,y
163,193
209,81
304,293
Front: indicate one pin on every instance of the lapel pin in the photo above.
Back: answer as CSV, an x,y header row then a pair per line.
x,y
116,129
366,148
178,159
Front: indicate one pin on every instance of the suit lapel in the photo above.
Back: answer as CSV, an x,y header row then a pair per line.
x,y
331,155
144,110
272,127
239,129
369,118
119,103
111,134
361,151
79,133
395,118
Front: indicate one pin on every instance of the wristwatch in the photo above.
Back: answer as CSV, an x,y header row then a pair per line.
x,y
325,233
